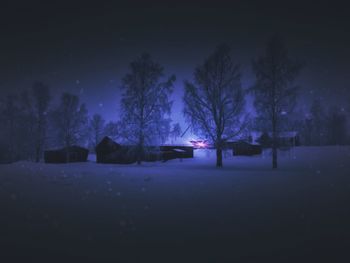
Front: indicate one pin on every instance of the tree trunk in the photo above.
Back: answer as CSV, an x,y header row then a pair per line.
x,y
274,157
37,154
140,150
39,141
218,157
139,159
274,145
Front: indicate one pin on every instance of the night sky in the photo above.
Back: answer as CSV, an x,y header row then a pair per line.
x,y
86,48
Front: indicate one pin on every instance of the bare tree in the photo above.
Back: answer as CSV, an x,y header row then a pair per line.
x,y
26,126
214,102
17,126
175,132
337,126
25,123
10,113
41,100
96,129
70,120
145,103
274,89
114,131
319,119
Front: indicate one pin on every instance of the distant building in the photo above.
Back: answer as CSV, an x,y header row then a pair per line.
x,y
66,155
108,151
246,149
285,139
290,138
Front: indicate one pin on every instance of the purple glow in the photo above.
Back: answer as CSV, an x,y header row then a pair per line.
x,y
199,144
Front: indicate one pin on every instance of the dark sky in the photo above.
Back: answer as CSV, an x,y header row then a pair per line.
x,y
86,48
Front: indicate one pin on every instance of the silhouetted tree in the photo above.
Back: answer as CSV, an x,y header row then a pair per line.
x,y
114,131
214,102
260,123
337,127
96,129
318,118
17,126
264,140
10,113
70,120
307,131
162,131
175,132
274,87
145,103
25,122
4,146
41,100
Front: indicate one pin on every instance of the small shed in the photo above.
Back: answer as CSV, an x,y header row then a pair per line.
x,y
66,155
105,149
174,152
108,151
244,148
288,139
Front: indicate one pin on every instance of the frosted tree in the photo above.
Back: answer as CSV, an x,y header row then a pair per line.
x,y
318,118
41,99
26,126
336,126
96,129
26,122
145,103
113,130
9,119
175,132
18,126
214,102
70,120
274,89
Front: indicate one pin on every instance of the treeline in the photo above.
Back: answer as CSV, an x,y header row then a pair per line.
x,y
31,123
214,106
324,125
328,126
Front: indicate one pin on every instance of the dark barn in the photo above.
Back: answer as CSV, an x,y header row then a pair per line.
x,y
174,152
284,139
288,139
67,155
244,148
108,151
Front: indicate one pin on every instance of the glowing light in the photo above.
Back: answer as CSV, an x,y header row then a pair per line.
x,y
199,144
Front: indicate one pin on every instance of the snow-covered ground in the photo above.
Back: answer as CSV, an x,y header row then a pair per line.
x,y
180,211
